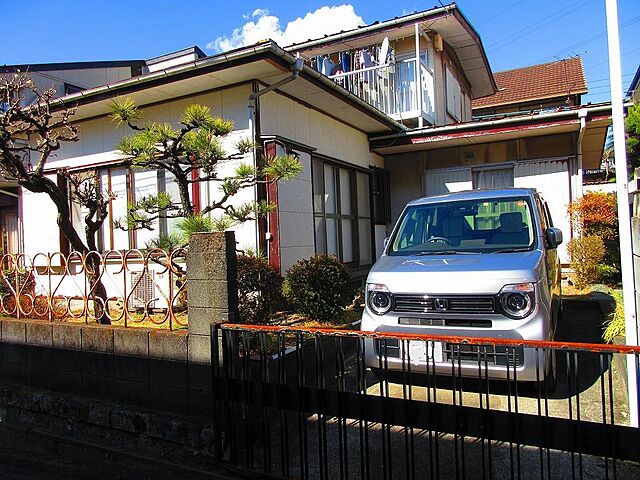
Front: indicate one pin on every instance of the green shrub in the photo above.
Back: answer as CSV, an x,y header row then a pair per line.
x,y
319,288
607,273
194,224
259,289
585,255
615,325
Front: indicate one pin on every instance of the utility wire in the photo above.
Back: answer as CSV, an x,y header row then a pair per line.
x,y
504,10
549,18
624,54
588,40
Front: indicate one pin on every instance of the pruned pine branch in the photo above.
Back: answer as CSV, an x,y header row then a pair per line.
x,y
193,151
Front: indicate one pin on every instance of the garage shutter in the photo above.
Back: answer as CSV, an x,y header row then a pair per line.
x,y
444,181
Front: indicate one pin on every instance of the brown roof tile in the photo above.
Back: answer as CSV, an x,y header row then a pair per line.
x,y
537,82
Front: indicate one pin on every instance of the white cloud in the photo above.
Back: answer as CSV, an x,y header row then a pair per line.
x,y
261,25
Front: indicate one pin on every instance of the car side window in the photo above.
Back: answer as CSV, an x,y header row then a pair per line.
x,y
542,213
548,212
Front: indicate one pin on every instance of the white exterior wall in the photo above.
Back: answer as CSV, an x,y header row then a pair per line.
x,y
39,223
282,116
551,180
96,147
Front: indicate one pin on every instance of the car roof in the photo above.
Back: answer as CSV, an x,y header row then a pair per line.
x,y
479,194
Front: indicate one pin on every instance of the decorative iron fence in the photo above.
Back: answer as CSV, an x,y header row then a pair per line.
x,y
135,287
322,403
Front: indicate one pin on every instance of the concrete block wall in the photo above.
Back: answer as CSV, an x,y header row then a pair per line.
x,y
147,368
158,369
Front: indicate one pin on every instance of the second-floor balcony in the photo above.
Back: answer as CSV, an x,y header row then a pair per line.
x,y
397,88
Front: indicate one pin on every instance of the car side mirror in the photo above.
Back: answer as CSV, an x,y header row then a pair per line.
x,y
554,237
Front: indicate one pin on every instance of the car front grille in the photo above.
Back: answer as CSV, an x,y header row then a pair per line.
x,y
443,304
483,354
479,355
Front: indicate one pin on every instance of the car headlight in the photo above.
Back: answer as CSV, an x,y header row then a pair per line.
x,y
518,300
378,298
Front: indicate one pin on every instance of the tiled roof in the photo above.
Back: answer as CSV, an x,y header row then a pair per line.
x,y
537,82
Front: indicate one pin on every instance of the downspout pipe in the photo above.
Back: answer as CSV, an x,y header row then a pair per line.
x,y
582,115
296,68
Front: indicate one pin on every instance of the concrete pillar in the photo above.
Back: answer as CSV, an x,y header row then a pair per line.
x,y
212,288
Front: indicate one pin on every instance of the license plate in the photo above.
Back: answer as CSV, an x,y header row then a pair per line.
x,y
420,352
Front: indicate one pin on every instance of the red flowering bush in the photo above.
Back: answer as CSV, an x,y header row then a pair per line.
x,y
596,215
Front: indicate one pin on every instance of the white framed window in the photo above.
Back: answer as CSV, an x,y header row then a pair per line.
x,y
454,95
342,213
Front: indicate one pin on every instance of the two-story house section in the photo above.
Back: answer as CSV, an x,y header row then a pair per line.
x,y
557,84
420,69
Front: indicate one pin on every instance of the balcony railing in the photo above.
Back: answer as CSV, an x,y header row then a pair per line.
x,y
393,89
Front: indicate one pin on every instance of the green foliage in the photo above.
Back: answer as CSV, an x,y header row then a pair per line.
x,y
245,145
286,167
192,153
204,147
319,288
140,148
632,124
194,224
585,255
222,223
259,289
244,170
166,242
615,325
124,110
607,273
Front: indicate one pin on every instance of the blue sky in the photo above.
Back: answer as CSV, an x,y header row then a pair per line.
x,y
515,33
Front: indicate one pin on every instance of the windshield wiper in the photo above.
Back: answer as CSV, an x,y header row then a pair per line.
x,y
444,252
512,250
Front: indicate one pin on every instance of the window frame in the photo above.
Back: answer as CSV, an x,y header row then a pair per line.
x,y
105,238
354,216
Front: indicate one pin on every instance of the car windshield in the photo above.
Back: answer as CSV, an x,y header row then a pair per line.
x,y
466,226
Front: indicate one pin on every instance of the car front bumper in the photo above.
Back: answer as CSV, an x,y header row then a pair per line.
x,y
518,363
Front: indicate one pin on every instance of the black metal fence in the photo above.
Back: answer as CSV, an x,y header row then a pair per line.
x,y
320,403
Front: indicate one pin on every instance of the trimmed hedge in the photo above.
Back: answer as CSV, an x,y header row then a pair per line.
x,y
259,290
319,287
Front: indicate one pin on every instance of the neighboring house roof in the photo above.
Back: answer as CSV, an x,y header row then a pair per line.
x,y
265,61
536,82
509,128
44,67
447,20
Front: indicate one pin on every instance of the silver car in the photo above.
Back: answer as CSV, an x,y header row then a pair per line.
x,y
481,263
